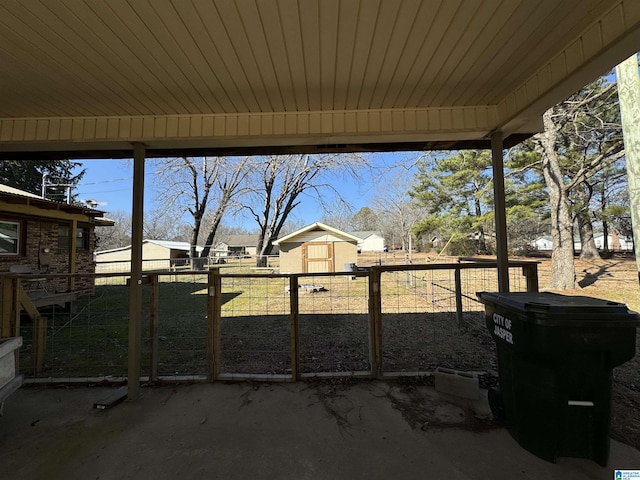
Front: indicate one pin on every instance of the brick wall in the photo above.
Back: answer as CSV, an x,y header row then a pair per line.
x,y
41,234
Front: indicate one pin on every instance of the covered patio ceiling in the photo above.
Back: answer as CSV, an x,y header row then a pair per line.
x,y
89,78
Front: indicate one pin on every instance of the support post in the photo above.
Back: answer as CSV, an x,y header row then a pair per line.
x,y
500,211
135,286
629,94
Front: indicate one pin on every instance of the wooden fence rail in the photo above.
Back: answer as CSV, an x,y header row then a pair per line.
x,y
14,301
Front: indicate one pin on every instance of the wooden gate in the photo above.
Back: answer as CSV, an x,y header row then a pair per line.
x,y
317,257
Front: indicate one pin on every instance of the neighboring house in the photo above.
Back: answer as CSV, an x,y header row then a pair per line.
x,y
317,248
544,243
615,242
240,246
156,255
47,236
370,241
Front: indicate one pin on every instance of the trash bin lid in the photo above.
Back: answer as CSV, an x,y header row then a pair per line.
x,y
552,309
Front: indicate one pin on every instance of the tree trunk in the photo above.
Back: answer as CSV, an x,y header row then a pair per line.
x,y
589,249
583,194
563,275
195,232
482,241
605,223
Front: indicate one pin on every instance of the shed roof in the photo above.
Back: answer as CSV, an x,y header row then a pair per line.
x,y
182,246
316,226
242,240
172,244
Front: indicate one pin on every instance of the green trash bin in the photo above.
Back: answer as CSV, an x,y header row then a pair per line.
x,y
556,355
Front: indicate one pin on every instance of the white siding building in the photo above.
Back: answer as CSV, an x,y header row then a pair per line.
x,y
370,241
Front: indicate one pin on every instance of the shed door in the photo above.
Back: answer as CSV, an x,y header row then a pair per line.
x,y
317,257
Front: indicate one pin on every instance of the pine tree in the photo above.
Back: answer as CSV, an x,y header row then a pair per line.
x,y
456,191
57,176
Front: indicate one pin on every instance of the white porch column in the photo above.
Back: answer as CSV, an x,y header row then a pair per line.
x,y
500,211
629,93
135,286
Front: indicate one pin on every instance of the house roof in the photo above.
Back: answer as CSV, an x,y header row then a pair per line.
x,y
316,226
227,77
173,245
242,240
183,246
21,202
363,235
15,191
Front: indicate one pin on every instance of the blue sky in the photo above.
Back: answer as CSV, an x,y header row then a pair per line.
x,y
109,182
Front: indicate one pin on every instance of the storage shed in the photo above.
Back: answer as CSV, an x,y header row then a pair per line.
x,y
156,255
317,248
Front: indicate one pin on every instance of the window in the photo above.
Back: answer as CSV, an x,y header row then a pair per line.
x,y
82,237
63,237
9,238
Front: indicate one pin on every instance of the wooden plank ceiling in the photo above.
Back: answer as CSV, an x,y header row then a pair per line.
x,y
83,78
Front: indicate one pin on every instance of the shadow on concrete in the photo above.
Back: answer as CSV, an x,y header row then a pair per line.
x,y
308,430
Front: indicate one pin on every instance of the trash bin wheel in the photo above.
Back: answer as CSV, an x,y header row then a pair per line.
x,y
496,404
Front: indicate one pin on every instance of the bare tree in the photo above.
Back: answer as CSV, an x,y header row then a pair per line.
x,y
281,181
193,184
397,210
230,188
162,224
117,236
339,217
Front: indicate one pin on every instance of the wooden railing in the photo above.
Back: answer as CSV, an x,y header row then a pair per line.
x,y
15,300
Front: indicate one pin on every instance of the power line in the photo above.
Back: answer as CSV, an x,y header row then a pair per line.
x,y
105,181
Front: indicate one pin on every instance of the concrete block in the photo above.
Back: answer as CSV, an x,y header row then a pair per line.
x,y
457,383
7,358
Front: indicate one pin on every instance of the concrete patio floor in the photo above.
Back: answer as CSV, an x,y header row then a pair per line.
x,y
316,430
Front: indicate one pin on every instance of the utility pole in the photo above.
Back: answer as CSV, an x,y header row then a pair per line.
x,y
45,184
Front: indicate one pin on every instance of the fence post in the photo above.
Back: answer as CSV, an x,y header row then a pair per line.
x,y
459,313
39,342
154,322
214,313
10,321
294,327
531,274
375,322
